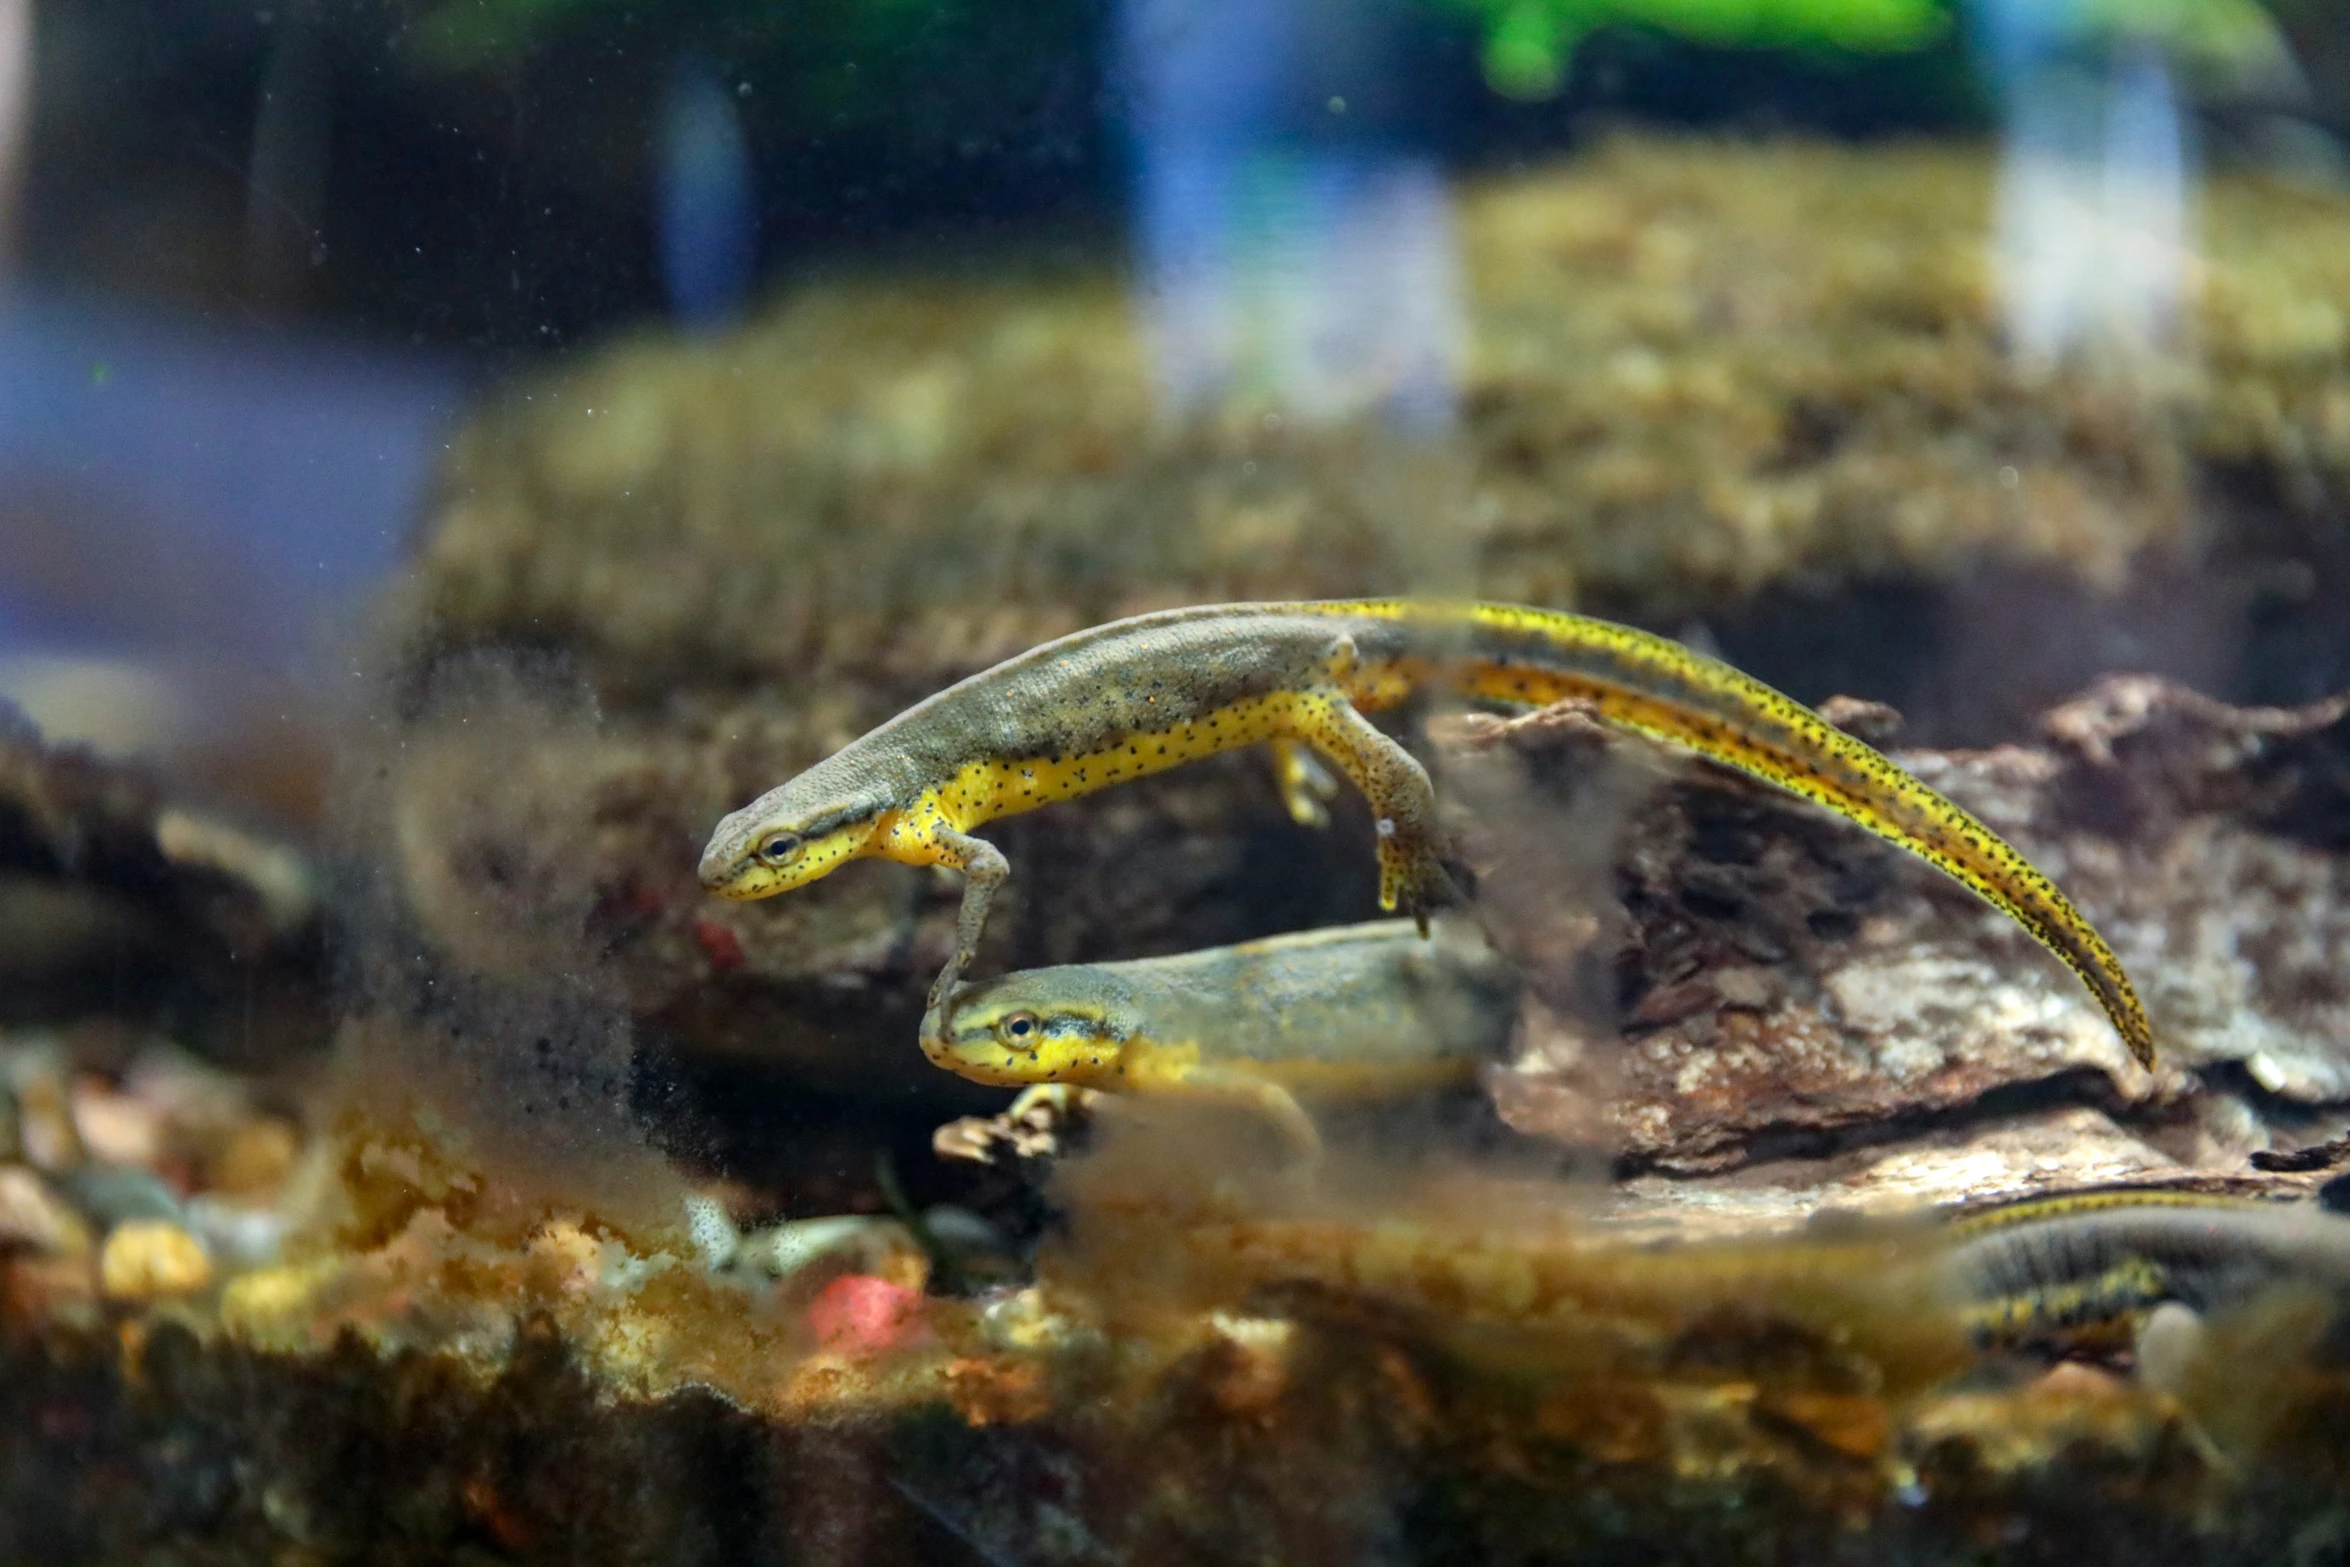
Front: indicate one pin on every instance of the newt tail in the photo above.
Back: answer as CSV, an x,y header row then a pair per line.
x,y
1656,687
1138,696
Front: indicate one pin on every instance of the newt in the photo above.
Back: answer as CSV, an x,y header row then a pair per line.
x,y
1137,696
2087,1270
1356,1013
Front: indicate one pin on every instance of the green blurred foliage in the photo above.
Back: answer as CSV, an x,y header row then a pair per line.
x,y
2217,28
1528,43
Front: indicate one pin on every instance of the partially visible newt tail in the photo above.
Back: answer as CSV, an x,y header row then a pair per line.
x,y
1656,687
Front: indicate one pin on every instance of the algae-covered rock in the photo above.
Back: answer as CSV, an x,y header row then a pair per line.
x,y
1717,972
118,901
1694,371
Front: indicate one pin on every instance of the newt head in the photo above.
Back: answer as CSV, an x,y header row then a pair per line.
x,y
784,840
1056,1025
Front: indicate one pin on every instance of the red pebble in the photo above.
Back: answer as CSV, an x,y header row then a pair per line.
x,y
859,1314
724,947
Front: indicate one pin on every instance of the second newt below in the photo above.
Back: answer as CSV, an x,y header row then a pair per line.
x,y
1356,1013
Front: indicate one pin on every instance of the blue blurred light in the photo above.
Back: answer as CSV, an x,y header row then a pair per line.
x,y
708,218
176,489
1293,249
2095,181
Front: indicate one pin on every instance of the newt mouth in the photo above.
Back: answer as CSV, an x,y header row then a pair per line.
x,y
738,881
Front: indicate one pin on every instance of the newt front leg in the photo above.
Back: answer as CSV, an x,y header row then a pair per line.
x,y
924,834
1306,785
984,869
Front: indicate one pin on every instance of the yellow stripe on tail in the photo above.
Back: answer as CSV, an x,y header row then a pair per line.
x,y
1656,687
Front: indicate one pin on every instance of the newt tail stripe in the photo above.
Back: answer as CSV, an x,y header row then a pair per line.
x,y
1658,688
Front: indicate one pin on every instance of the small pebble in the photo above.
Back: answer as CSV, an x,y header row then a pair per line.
x,y
256,1157
2169,1346
240,1236
713,1234
35,1219
116,1128
45,1126
147,1258
858,1314
113,1193
858,1242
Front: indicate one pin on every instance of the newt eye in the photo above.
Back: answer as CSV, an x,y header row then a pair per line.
x,y
1018,1029
780,847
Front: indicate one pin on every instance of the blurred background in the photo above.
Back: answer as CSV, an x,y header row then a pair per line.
x,y
263,260
478,442
452,452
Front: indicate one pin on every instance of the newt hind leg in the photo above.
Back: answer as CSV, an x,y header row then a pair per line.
x,y
1403,803
1306,785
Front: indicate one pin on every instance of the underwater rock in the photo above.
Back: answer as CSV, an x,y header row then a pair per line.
x,y
1183,1383
1720,973
145,1258
1737,381
1763,979
117,902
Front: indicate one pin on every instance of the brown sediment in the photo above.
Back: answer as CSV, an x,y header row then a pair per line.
x,y
1220,1368
1219,1353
